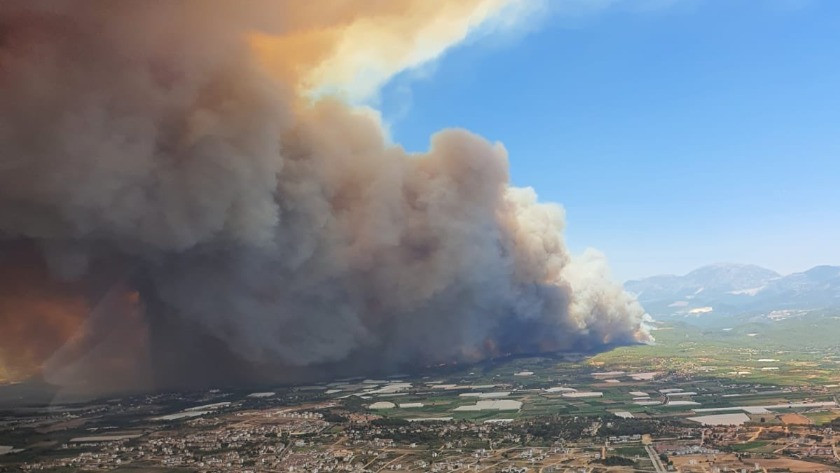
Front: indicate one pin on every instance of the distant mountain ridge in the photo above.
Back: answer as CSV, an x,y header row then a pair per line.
x,y
722,289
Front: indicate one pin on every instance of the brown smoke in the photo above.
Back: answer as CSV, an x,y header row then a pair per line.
x,y
54,310
175,211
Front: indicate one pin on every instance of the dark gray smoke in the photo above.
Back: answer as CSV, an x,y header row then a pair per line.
x,y
183,216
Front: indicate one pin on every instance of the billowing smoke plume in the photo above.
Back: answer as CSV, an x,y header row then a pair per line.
x,y
175,209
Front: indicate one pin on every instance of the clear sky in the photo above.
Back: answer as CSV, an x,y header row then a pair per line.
x,y
675,133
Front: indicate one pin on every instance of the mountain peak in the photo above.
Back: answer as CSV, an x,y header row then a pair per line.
x,y
733,288
731,276
733,267
823,271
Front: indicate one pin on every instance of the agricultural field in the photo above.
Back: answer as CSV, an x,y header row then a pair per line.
x,y
751,353
696,397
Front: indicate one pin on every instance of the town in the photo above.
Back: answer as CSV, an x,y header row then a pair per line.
x,y
545,414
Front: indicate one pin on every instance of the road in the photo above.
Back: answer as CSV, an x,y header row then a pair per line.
x,y
390,462
756,435
654,458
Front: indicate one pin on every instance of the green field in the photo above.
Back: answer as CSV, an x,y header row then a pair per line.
x,y
750,446
735,355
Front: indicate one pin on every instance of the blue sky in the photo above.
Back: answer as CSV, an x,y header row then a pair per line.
x,y
675,133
